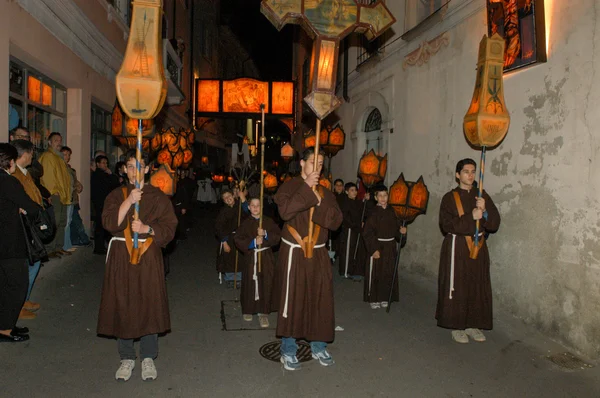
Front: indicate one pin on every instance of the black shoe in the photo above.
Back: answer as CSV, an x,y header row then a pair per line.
x,y
19,331
13,338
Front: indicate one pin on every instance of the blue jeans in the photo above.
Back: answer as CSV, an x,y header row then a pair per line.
x,y
33,273
78,235
228,276
67,245
289,346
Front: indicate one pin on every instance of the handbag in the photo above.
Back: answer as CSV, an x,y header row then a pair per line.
x,y
44,225
36,251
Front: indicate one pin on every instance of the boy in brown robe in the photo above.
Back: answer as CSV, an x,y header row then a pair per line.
x,y
382,230
226,226
257,287
464,286
134,297
306,305
351,227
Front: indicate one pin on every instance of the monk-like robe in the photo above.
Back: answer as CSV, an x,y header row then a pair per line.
x,y
349,238
306,305
225,226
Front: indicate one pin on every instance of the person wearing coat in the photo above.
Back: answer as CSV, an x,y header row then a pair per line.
x,y
14,274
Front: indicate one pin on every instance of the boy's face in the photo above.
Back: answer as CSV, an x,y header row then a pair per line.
x,y
66,156
131,169
466,176
228,199
254,207
352,192
307,165
382,198
338,187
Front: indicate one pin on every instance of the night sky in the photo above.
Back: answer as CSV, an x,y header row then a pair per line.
x,y
271,49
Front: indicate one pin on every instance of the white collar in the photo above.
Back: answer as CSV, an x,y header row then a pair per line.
x,y
23,170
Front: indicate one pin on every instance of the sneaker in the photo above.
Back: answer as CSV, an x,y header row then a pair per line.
x,y
290,362
324,358
460,336
124,371
148,369
475,334
375,306
384,304
263,320
248,317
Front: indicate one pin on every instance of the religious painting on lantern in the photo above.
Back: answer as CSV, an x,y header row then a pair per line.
x,y
208,96
521,23
245,95
282,98
331,17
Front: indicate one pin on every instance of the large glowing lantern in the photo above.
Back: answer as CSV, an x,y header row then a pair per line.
x,y
372,168
141,84
487,120
325,182
125,128
156,142
164,179
270,182
205,160
218,178
335,141
287,152
409,199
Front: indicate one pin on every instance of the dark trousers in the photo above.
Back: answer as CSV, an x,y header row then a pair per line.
x,y
78,235
148,347
14,281
60,216
100,234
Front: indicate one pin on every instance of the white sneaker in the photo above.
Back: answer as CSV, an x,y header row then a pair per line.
x,y
475,334
247,317
460,336
375,306
148,370
384,304
124,371
263,320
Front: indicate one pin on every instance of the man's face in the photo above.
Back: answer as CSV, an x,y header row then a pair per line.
x,y
382,198
131,169
25,159
254,207
102,165
66,156
20,134
466,176
352,192
308,165
228,199
56,142
338,187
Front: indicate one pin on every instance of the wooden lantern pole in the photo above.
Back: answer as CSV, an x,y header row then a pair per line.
x,y
138,179
311,225
480,185
263,140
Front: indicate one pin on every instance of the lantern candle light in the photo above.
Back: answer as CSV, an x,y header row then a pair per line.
x,y
409,199
372,168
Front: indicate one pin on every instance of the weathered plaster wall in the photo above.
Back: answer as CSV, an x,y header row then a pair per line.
x,y
545,176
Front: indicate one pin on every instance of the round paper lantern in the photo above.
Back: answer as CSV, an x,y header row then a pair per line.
x,y
169,138
156,142
177,160
164,157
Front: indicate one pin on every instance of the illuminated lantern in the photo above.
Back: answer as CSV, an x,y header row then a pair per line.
x,y
164,157
124,126
141,84
270,182
310,139
156,142
372,168
487,120
218,178
230,179
325,183
164,179
177,159
287,152
131,127
409,199
205,160
183,142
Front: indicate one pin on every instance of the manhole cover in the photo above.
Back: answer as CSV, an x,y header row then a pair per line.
x,y
271,352
568,361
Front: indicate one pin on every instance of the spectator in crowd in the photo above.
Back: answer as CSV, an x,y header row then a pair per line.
x,y
36,171
93,162
57,181
121,172
75,189
13,247
103,183
24,156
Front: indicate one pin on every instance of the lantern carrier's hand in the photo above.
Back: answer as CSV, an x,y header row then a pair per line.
x,y
312,179
403,230
477,214
481,204
135,196
376,254
226,247
259,240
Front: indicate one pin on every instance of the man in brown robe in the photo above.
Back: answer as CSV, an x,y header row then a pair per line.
x,y
351,227
257,295
306,305
382,230
225,228
134,297
464,286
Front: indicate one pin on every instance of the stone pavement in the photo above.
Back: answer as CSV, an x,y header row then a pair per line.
x,y
401,354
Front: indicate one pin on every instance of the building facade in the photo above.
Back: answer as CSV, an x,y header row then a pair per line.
x,y
408,98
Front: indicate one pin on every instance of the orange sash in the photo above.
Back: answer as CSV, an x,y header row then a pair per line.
x,y
134,254
303,242
473,250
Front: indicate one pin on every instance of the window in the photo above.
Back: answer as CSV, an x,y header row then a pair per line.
x,y
123,7
373,122
37,103
419,10
102,140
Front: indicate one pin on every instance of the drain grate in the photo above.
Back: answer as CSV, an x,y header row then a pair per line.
x,y
271,352
568,361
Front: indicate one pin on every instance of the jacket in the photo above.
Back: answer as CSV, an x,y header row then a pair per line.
x,y
29,186
56,178
13,197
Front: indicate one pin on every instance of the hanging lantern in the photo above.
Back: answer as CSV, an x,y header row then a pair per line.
x,y
156,142
372,168
141,84
270,182
164,179
205,160
409,199
169,139
287,152
310,139
336,140
164,157
487,120
177,159
183,139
